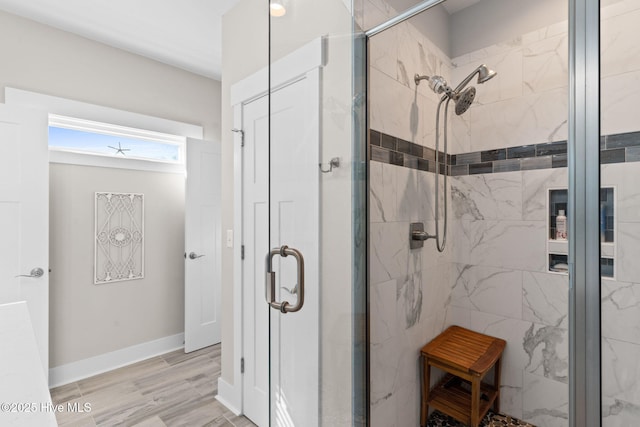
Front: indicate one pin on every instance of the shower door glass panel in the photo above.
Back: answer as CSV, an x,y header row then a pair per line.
x,y
503,271
316,287
619,212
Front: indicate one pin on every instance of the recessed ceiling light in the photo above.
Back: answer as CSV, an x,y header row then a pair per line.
x,y
276,8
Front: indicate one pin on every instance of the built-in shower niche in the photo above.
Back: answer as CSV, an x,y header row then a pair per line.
x,y
558,248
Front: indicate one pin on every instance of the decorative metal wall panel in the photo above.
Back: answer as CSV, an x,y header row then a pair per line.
x,y
119,237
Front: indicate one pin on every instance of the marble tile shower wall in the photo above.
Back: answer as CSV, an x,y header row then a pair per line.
x,y
501,286
526,103
410,289
620,89
620,302
493,277
397,106
500,281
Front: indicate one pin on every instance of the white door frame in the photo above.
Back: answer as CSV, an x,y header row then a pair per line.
x,y
82,110
98,113
303,62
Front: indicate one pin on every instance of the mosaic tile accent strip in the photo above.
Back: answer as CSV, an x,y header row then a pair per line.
x,y
617,148
389,149
438,419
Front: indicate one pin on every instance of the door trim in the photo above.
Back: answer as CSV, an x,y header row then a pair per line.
x,y
304,61
67,107
98,113
291,67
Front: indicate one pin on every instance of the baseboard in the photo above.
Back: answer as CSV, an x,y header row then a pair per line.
x,y
75,371
228,396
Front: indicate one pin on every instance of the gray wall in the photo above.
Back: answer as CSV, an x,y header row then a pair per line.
x,y
433,24
475,27
43,59
86,319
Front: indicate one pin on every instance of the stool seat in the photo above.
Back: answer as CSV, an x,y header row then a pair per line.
x,y
466,356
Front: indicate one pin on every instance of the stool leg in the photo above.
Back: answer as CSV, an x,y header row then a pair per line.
x,y
496,382
475,401
426,379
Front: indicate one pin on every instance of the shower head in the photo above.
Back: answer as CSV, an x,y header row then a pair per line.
x,y
484,74
464,100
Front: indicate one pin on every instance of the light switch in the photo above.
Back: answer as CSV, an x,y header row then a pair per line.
x,y
229,238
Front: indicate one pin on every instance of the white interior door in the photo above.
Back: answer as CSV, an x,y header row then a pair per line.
x,y
294,222
255,234
24,217
285,391
202,245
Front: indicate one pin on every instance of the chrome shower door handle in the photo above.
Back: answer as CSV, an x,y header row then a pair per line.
x,y
35,273
270,284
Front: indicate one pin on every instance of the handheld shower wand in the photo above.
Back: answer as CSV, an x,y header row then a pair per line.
x,y
462,98
484,75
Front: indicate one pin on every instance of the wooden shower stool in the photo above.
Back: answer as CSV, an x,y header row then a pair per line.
x,y
466,356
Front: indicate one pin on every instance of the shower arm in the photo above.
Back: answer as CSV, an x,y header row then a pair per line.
x,y
417,78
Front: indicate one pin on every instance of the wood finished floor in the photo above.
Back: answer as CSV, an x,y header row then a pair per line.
x,y
175,389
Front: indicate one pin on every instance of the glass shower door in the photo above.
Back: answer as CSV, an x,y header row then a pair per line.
x,y
619,214
315,260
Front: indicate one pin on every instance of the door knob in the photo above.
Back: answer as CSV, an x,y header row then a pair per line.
x,y
194,255
35,273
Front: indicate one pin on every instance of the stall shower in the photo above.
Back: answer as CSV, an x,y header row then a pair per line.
x,y
505,165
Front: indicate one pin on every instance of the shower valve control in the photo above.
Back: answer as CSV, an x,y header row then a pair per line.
x,y
418,235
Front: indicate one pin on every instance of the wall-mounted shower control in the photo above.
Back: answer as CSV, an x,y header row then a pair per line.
x,y
417,235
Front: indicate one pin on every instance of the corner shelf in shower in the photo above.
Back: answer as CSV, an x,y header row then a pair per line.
x,y
561,247
557,250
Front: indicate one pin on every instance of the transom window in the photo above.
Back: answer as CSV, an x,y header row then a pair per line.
x,y
102,139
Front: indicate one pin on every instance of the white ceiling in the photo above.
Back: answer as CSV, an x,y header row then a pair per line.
x,y
185,33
